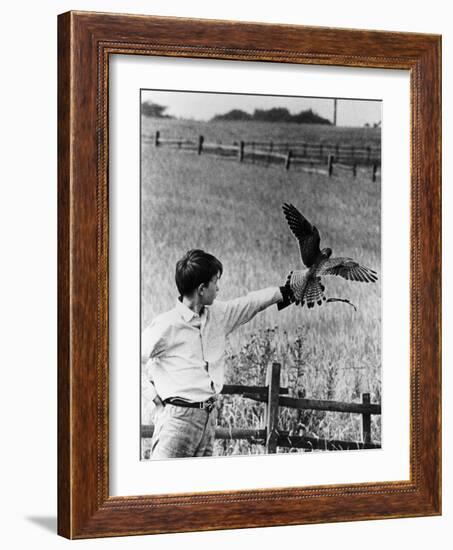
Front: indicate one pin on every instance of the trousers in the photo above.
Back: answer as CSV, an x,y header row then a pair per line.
x,y
183,432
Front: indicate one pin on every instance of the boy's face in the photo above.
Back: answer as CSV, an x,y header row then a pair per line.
x,y
210,291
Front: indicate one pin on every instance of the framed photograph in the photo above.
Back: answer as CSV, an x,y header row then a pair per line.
x,y
249,275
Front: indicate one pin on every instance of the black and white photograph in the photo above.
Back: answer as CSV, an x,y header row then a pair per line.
x,y
226,247
260,274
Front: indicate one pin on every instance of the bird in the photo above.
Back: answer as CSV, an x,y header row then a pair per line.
x,y
306,285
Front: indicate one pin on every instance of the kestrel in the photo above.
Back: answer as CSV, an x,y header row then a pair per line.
x,y
306,285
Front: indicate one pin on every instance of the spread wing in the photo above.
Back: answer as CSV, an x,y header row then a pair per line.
x,y
348,269
305,233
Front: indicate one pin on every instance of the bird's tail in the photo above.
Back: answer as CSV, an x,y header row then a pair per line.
x,y
306,290
314,293
296,283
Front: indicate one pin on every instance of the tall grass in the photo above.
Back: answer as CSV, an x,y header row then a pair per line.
x,y
233,211
305,376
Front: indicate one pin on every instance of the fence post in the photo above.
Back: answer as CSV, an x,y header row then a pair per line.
x,y
241,151
366,420
271,147
156,138
273,385
373,177
288,159
330,165
200,144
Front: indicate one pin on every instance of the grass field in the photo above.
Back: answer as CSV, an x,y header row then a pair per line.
x,y
230,131
233,211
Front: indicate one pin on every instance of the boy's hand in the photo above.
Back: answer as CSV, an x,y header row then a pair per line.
x,y
158,402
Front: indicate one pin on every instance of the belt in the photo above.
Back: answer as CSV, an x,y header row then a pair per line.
x,y
209,404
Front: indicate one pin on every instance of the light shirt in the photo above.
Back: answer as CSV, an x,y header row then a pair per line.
x,y
184,353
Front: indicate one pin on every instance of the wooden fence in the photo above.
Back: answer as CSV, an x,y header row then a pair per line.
x,y
327,159
274,397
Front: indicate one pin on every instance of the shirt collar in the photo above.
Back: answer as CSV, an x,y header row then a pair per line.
x,y
186,313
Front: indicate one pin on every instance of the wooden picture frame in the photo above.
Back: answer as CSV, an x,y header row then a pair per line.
x,y
85,41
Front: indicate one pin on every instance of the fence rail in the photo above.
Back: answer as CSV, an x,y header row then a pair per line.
x,y
323,158
274,397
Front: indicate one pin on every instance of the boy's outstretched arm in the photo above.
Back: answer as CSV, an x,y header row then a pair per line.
x,y
241,310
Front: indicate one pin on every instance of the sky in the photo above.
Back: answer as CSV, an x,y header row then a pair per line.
x,y
203,106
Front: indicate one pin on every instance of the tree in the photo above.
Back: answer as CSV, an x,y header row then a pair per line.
x,y
276,114
235,114
154,110
309,117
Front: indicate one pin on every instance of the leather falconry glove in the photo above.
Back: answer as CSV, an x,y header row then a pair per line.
x,y
291,291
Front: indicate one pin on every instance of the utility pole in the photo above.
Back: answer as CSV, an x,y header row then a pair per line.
x,y
335,111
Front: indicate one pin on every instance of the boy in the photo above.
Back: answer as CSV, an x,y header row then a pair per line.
x,y
184,353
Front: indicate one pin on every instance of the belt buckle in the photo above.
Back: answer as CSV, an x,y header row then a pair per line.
x,y
208,404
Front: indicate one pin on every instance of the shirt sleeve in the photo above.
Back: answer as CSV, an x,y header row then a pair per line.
x,y
241,310
148,390
153,340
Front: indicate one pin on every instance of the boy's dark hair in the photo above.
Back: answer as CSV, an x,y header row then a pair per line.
x,y
196,267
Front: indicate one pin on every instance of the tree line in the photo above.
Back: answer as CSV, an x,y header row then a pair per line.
x,y
276,114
